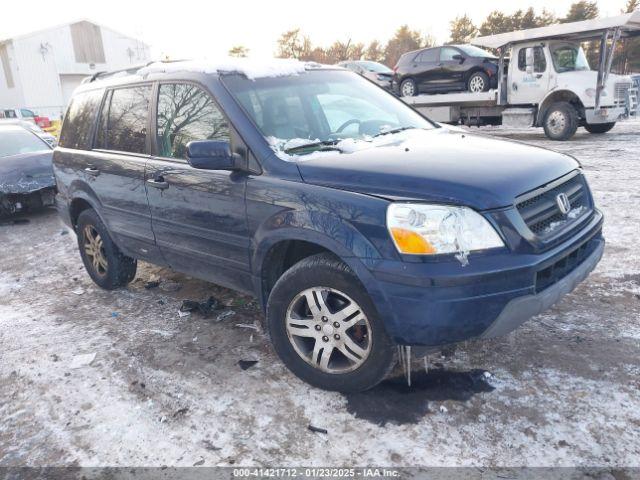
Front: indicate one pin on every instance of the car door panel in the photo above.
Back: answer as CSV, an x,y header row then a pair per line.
x,y
115,170
198,216
199,221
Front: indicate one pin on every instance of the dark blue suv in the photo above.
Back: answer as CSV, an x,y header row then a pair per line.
x,y
359,224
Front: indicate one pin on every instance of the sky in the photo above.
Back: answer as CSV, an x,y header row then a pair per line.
x,y
192,29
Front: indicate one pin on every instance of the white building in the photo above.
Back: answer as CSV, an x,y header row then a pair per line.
x,y
40,70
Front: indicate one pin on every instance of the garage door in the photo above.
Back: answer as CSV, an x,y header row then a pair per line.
x,y
69,83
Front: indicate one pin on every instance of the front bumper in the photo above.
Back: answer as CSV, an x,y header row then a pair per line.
x,y
437,303
605,114
12,203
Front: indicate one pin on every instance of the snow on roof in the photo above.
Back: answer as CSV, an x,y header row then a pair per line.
x,y
251,68
629,24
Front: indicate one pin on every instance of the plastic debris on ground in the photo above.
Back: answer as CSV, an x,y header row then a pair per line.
x,y
152,284
82,360
225,314
205,308
317,429
78,291
247,325
246,364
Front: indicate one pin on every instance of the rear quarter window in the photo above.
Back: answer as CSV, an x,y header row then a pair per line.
x,y
81,114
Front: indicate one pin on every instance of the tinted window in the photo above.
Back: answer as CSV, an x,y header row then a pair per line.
x,y
428,56
10,114
123,122
76,128
186,113
447,53
27,113
539,61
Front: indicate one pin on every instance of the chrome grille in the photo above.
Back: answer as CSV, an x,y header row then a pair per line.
x,y
540,210
621,92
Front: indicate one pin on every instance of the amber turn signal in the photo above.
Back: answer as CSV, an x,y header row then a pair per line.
x,y
410,242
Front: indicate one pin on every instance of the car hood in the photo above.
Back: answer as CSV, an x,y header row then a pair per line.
x,y
438,165
26,173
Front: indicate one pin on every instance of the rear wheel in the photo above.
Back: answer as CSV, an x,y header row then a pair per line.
x,y
408,88
478,82
325,328
107,266
599,127
560,121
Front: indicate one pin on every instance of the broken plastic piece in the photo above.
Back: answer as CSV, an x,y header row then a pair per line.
x,y
246,364
203,308
317,429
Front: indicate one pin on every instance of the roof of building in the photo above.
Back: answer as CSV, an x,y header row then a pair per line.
x,y
628,23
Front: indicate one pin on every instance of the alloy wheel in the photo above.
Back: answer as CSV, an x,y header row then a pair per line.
x,y
408,89
328,330
94,249
476,84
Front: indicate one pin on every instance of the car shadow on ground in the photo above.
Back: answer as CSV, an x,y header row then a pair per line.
x,y
394,401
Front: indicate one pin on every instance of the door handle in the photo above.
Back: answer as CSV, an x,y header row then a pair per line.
x,y
92,171
158,183
539,75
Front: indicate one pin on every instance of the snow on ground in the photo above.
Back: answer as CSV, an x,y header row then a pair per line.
x,y
168,390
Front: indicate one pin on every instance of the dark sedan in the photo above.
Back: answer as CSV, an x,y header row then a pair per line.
x,y
445,69
26,173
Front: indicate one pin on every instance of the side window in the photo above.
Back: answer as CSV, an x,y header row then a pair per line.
x,y
10,114
428,56
80,116
447,53
27,113
123,120
539,60
186,113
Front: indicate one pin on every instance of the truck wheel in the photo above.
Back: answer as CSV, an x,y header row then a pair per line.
x,y
560,121
324,327
107,266
408,88
599,127
478,82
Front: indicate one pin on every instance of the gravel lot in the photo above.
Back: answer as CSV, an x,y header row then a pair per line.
x,y
169,390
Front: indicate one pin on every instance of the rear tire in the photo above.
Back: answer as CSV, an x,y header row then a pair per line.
x,y
408,88
478,82
107,266
319,307
560,121
599,127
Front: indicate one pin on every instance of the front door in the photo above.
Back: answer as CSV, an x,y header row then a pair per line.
x,y
529,79
450,76
198,216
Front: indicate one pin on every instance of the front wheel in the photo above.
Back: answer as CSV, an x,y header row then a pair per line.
x,y
599,127
107,266
560,121
325,328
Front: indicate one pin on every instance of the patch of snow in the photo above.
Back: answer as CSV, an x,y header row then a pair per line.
x,y
250,68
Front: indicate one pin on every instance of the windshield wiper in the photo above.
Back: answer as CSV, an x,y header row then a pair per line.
x,y
314,146
393,130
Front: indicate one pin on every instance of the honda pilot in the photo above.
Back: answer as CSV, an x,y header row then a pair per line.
x,y
357,223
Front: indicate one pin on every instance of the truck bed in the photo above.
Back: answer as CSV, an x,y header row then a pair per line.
x,y
458,99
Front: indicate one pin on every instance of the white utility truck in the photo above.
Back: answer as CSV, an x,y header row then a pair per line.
x,y
546,81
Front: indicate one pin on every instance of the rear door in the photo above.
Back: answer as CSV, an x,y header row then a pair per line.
x,y
115,169
199,216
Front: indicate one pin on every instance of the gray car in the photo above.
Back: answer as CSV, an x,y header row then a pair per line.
x,y
374,71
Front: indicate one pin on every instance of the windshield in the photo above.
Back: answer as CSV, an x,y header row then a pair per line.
x,y
569,58
472,51
15,142
374,67
321,107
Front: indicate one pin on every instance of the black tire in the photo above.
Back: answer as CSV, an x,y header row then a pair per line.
x,y
119,270
599,127
478,82
560,121
408,84
325,270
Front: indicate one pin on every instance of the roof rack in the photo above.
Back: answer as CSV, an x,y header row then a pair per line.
x,y
130,70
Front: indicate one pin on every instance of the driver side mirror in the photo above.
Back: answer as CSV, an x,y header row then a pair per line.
x,y
458,57
213,155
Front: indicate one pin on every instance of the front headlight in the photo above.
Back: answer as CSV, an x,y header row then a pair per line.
x,y
419,229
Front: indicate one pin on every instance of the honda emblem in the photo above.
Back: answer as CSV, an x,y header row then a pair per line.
x,y
563,203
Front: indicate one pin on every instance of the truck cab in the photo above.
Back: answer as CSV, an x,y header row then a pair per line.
x,y
555,77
